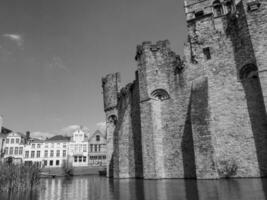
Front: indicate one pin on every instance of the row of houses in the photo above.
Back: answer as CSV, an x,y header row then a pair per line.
x,y
77,150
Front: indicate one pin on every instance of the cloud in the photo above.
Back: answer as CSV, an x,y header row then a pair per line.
x,y
101,126
15,38
41,135
57,63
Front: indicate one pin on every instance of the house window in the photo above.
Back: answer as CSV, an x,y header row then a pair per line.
x,y
46,154
32,154
95,148
45,162
99,147
26,154
51,163
64,153
91,147
7,141
11,151
76,147
51,153
75,158
20,150
33,146
84,159
17,140
206,52
84,148
104,157
57,162
38,146
16,150
58,153
97,138
38,154
64,145
80,158
12,141
6,150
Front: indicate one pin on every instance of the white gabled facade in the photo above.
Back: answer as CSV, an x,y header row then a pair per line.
x,y
97,149
78,149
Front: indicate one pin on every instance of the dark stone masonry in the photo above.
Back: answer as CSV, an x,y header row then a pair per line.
x,y
202,116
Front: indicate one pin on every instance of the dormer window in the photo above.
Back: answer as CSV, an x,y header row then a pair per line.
x,y
217,8
97,138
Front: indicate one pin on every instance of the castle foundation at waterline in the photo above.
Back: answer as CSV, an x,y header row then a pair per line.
x,y
202,116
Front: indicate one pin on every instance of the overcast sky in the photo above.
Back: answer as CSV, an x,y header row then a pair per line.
x,y
53,54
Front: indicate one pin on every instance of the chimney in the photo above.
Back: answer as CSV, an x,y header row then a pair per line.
x,y
27,135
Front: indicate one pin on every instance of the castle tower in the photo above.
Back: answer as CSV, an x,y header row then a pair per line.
x,y
157,69
111,87
221,60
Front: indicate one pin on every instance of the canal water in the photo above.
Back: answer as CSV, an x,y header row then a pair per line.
x,y
101,188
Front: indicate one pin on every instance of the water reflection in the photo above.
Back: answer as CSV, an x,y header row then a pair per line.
x,y
94,187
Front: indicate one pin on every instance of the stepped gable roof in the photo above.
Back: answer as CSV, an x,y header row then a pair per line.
x,y
97,132
4,132
58,138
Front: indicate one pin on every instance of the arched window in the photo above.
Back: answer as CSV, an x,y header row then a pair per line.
x,y
229,6
160,94
217,8
248,71
112,119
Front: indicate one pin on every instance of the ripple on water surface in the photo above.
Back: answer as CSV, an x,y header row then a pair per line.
x,y
100,188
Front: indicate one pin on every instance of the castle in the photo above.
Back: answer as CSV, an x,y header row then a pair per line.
x,y
202,116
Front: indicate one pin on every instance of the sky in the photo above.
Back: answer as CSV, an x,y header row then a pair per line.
x,y
53,54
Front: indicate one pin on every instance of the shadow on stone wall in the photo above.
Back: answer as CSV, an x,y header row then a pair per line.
x,y
188,147
238,32
258,119
136,125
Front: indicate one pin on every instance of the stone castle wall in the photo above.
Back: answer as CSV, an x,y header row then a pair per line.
x,y
200,117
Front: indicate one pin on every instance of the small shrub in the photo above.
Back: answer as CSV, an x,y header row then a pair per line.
x,y
15,178
227,168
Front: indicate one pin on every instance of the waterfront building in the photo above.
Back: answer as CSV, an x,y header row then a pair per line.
x,y
55,151
14,146
33,152
97,149
78,148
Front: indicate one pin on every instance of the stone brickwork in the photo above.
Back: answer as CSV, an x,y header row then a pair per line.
x,y
203,116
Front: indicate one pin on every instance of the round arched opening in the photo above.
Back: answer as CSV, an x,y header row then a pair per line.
x,y
160,94
248,71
